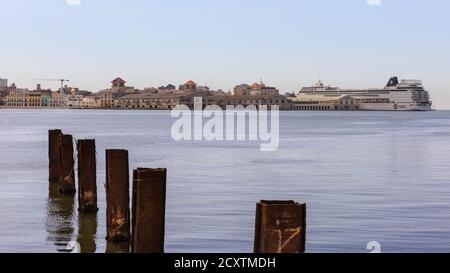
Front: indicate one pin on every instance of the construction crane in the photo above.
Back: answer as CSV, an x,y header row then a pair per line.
x,y
55,80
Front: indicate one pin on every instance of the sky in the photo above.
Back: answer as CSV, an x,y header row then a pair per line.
x,y
222,43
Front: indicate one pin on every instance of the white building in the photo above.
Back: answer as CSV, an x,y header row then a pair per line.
x,y
81,102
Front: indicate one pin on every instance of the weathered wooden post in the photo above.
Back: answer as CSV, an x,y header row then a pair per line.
x,y
87,176
54,168
117,196
67,177
133,207
280,227
149,206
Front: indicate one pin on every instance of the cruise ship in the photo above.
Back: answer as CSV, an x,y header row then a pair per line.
x,y
404,95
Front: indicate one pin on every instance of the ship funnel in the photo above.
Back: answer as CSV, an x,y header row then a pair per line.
x,y
392,82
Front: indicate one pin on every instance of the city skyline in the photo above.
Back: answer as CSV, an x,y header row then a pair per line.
x,y
223,44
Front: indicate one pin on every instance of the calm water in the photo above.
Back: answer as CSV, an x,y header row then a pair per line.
x,y
365,177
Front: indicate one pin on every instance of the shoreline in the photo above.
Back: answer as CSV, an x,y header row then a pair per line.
x,y
160,110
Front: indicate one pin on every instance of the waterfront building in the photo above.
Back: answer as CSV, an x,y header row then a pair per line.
x,y
107,98
34,99
72,101
90,102
3,91
16,99
255,89
56,100
40,98
117,90
318,103
45,100
246,100
262,89
168,101
3,97
81,102
24,99
165,101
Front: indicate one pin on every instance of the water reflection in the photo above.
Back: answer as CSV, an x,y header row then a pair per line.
x,y
87,232
60,218
112,247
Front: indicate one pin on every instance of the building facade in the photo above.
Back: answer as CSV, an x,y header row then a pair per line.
x,y
24,99
118,89
257,100
149,101
317,103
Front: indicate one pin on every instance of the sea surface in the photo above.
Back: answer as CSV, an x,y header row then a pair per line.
x,y
365,176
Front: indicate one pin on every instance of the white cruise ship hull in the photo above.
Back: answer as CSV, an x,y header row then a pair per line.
x,y
393,107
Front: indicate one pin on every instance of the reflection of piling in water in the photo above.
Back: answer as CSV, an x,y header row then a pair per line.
x,y
87,177
149,203
117,196
60,213
87,232
67,177
117,247
54,167
280,227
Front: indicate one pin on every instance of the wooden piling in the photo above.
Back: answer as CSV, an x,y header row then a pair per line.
x,y
280,227
67,176
54,168
117,196
87,176
149,205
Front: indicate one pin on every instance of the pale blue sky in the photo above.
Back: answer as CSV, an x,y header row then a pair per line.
x,y
226,42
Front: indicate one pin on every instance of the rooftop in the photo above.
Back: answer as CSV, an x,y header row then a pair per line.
x,y
190,82
118,80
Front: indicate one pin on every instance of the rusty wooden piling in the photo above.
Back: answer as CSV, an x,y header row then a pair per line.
x,y
133,207
67,176
117,196
54,168
149,205
87,176
280,227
